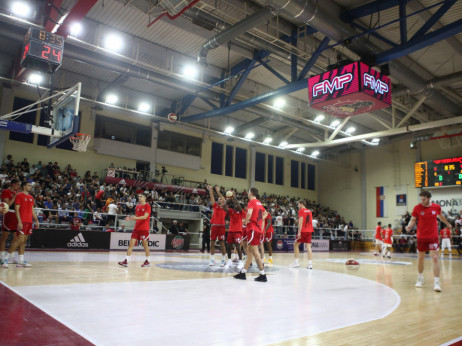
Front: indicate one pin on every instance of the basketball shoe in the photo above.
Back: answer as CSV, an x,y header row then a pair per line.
x,y
228,264
124,263
294,265
222,263
310,266
146,264
240,276
5,263
240,265
419,283
270,261
261,278
23,265
437,287
211,263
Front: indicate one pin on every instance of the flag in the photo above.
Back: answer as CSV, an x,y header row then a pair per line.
x,y
381,210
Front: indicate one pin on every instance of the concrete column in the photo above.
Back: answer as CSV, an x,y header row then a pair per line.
x,y
5,108
252,166
363,190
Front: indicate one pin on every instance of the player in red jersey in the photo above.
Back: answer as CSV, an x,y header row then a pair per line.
x,y
269,231
218,229
378,238
304,234
446,241
24,210
140,231
256,215
387,240
9,221
236,214
425,215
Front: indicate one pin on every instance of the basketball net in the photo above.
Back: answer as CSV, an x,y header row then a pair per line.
x,y
80,141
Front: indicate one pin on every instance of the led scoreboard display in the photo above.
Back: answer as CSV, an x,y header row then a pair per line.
x,y
42,50
445,172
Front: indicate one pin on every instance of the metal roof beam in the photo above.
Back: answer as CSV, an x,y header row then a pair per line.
x,y
434,18
240,82
273,71
419,43
368,9
322,46
403,21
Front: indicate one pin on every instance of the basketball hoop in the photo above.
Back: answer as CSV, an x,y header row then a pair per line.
x,y
80,141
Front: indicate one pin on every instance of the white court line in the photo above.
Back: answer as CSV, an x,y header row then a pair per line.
x,y
449,343
76,330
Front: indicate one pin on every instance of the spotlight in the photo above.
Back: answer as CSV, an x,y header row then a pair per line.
x,y
229,130
350,130
21,9
283,144
279,103
319,118
335,123
75,29
375,141
315,153
112,99
250,135
267,140
300,150
190,71
113,42
35,78
144,107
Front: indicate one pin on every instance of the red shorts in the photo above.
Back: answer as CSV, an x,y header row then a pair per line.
x,y
424,245
305,237
217,232
9,222
26,228
244,233
140,235
253,237
234,238
268,237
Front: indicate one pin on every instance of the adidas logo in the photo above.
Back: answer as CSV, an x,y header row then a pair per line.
x,y
77,241
123,182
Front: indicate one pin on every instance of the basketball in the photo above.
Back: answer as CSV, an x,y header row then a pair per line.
x,y
172,117
4,208
229,194
352,264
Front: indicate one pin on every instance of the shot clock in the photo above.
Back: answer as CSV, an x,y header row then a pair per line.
x,y
444,172
42,50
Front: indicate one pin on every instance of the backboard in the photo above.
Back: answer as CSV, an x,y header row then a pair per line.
x,y
65,116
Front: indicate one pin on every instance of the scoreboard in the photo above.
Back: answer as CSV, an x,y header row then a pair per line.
x,y
42,50
445,172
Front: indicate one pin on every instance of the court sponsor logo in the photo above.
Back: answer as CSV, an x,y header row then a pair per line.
x,y
279,244
204,267
369,261
77,241
177,242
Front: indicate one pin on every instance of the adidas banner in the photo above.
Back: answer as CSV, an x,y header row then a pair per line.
x,y
64,239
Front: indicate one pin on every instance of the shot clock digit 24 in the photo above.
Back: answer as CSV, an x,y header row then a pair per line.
x,y
42,50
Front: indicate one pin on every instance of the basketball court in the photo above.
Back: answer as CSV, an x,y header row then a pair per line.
x,y
181,300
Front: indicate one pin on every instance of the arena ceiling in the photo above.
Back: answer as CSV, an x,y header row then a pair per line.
x,y
248,54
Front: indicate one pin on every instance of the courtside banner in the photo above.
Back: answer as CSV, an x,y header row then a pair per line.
x,y
177,242
65,239
120,241
320,245
340,245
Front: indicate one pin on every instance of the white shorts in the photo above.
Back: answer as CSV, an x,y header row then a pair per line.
x,y
387,245
378,242
446,244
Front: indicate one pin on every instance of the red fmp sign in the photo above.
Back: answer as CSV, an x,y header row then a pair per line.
x,y
349,90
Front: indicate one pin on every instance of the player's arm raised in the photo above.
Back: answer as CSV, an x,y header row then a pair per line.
x,y
237,205
220,196
411,223
212,197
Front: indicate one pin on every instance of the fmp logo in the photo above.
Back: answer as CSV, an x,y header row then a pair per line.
x,y
328,87
375,84
177,242
77,241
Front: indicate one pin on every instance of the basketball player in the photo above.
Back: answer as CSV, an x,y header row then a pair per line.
x,y
304,234
243,241
236,214
141,230
254,221
9,222
218,229
269,231
387,241
446,241
425,215
378,238
24,210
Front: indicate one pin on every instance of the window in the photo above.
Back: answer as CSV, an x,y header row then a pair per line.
x,y
123,131
229,161
311,177
279,170
270,168
303,175
260,167
179,143
216,161
28,118
294,173
240,169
